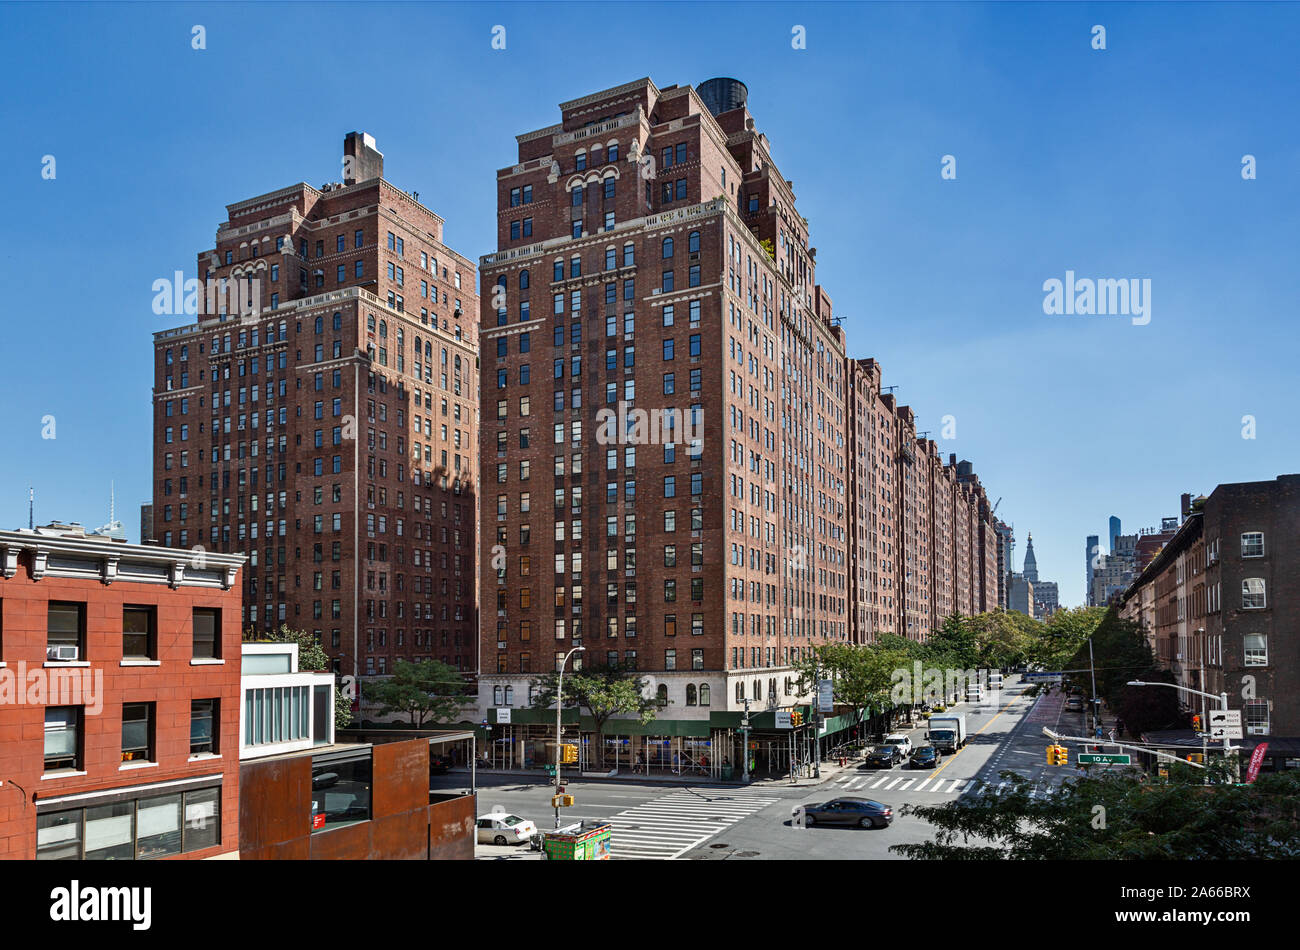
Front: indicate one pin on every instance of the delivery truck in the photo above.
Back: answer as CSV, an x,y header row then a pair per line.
x,y
947,732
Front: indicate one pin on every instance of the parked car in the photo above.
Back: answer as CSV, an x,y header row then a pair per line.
x,y
900,742
859,812
1074,704
925,757
884,757
504,829
439,763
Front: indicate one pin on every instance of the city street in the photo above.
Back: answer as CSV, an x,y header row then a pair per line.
x,y
713,822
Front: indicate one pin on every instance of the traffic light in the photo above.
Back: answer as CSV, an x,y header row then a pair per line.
x,y
568,753
1197,757
1051,754
561,801
796,718
1058,755
1196,724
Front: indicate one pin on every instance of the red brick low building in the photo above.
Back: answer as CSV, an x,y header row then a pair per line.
x,y
119,698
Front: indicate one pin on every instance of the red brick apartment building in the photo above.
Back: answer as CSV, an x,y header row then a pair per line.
x,y
119,698
1219,601
327,424
652,264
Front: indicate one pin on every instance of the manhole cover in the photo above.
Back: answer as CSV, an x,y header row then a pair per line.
x,y
717,846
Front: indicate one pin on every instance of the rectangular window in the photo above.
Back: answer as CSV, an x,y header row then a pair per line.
x,y
139,633
62,737
207,633
204,726
137,732
340,792
65,632
1252,544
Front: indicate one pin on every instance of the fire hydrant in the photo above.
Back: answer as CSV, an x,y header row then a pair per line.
x,y
844,760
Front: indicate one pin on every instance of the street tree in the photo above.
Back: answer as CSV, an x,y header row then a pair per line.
x,y
604,692
425,691
1115,816
862,674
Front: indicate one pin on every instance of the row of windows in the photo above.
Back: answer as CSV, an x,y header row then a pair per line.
x,y
66,632
65,733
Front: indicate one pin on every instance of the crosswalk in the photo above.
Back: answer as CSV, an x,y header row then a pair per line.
x,y
894,782
881,782
666,828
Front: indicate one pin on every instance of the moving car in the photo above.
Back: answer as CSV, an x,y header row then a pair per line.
x,y
439,763
884,757
926,757
900,742
504,829
859,812
1074,704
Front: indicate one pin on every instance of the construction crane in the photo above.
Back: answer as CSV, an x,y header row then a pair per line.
x,y
995,508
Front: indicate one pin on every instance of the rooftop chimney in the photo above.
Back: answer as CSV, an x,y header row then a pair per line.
x,y
1186,505
361,160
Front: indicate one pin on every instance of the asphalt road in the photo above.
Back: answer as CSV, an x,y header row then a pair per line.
x,y
703,822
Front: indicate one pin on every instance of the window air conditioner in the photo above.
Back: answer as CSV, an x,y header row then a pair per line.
x,y
65,652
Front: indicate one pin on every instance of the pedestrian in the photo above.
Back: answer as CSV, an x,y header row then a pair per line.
x,y
640,763
676,764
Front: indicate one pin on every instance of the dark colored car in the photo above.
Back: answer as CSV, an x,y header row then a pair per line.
x,y
438,763
926,757
884,757
858,812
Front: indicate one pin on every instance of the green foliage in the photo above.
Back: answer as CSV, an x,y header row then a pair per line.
x,y
604,692
427,690
769,247
1063,634
862,675
312,658
1114,816
956,642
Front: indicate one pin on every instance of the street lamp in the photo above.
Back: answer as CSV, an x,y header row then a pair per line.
x,y
1221,697
559,706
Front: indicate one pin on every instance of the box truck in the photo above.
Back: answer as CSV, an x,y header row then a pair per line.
x,y
947,732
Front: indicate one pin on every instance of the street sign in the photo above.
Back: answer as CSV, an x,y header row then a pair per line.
x,y
825,696
1104,758
1225,724
503,715
783,719
1044,677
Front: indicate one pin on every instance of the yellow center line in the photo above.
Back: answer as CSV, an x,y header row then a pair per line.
x,y
953,757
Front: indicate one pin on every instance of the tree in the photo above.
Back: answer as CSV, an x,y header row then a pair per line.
x,y
604,692
1114,816
956,641
1004,639
427,690
862,675
1063,634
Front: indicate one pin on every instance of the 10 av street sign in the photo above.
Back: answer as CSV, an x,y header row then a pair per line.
x,y
1104,758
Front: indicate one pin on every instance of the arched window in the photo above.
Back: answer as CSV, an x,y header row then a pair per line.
x,y
457,364
501,281
320,324
338,321
661,694
523,279
668,247
370,323
496,695
383,329
704,694
758,689
428,350
693,242
690,694
510,696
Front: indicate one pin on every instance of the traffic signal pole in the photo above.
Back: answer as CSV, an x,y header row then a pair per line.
x,y
744,731
1057,737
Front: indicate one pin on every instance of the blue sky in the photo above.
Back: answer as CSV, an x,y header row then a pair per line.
x,y
1122,163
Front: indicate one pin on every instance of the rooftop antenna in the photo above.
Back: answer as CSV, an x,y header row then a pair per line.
x,y
31,508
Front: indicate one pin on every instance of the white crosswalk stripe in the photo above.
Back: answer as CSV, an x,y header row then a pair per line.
x,y
901,782
666,828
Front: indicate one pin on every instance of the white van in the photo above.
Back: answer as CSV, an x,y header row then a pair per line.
x,y
995,680
974,692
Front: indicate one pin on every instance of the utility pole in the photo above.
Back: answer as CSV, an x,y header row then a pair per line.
x,y
744,731
1093,669
559,705
1223,700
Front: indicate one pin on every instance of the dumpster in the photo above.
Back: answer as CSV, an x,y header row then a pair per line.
x,y
586,841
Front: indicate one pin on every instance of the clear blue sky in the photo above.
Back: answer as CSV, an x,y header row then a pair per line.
x,y
1124,163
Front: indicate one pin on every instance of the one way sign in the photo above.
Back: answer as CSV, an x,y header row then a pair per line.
x,y
1225,724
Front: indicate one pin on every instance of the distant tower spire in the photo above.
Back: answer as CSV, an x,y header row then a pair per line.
x,y
1031,562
